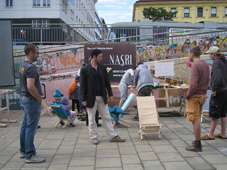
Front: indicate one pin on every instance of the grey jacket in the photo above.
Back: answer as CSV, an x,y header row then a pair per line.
x,y
128,77
219,74
143,77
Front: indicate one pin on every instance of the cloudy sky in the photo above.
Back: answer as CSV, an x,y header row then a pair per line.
x,y
115,10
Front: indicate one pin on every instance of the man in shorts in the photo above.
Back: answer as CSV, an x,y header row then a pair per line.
x,y
218,100
196,95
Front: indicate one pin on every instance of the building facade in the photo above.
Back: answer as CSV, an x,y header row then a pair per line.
x,y
51,21
187,10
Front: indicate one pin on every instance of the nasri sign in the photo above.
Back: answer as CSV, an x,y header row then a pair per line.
x,y
120,57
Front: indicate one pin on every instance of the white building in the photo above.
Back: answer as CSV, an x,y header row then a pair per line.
x,y
51,20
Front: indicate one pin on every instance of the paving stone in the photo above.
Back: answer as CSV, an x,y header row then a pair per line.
x,y
148,156
108,162
82,161
143,148
169,135
177,165
107,145
170,157
69,141
84,152
215,158
49,144
82,168
119,168
56,166
9,151
198,163
220,166
133,167
63,159
130,159
12,165
110,153
177,142
165,149
127,151
65,150
148,165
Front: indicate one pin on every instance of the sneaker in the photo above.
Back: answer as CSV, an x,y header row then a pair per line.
x,y
95,141
117,139
22,155
71,124
35,159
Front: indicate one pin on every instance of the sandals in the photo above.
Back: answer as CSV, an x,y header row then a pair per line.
x,y
219,136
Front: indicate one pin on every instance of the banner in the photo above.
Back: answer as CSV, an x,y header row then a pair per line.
x,y
119,57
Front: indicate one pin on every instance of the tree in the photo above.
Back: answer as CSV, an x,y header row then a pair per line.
x,y
158,14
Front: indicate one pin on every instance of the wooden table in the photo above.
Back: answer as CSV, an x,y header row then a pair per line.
x,y
6,92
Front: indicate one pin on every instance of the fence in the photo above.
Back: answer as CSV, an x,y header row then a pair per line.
x,y
61,47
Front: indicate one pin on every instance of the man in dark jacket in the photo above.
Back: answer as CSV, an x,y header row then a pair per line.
x,y
93,90
218,100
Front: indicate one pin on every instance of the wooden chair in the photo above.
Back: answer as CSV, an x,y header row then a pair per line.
x,y
148,116
61,113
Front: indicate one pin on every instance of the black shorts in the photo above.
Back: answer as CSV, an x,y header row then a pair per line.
x,y
218,105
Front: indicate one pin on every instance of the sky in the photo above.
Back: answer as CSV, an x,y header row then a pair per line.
x,y
115,10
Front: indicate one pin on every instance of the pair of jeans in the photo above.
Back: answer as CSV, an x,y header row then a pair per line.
x,y
32,110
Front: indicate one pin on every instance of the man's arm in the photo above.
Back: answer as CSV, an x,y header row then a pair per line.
x,y
194,81
136,77
33,90
107,83
216,76
83,86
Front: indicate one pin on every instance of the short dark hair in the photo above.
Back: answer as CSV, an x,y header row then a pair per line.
x,y
29,48
95,52
77,78
196,51
139,63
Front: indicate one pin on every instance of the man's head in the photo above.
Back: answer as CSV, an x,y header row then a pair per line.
x,y
31,51
194,53
96,55
139,63
213,52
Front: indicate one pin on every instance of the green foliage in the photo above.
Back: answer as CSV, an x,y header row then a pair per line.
x,y
158,14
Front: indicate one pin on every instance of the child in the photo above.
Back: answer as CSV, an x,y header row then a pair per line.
x,y
74,95
65,105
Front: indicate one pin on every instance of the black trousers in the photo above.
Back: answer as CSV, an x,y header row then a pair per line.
x,y
75,101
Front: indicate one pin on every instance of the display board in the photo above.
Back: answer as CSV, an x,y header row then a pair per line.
x,y
6,55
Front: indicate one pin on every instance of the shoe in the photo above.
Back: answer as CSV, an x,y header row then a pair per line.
x,y
99,125
219,136
22,155
62,123
117,139
71,124
206,137
95,141
193,148
35,159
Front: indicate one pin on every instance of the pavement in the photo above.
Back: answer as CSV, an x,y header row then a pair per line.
x,y
72,149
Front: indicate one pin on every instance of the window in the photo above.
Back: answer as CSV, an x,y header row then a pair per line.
x,y
174,10
186,12
46,2
213,11
200,12
36,2
226,11
72,14
64,6
36,23
9,3
45,23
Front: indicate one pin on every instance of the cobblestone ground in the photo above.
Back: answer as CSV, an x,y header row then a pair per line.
x,y
71,148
